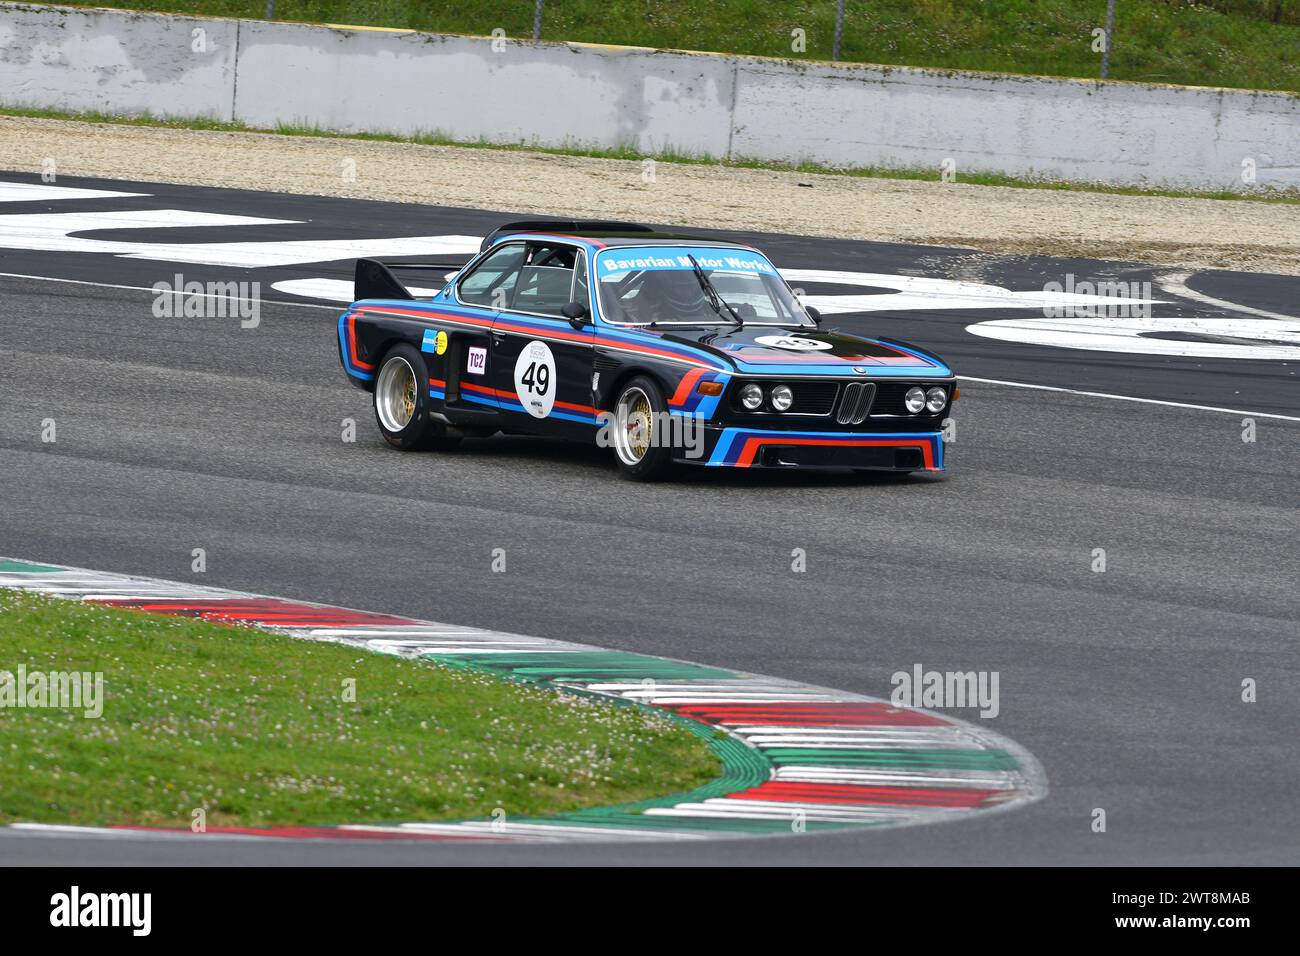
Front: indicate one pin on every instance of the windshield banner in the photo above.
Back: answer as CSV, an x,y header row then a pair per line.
x,y
615,263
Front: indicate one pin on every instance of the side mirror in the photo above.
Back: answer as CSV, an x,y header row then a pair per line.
x,y
813,314
576,313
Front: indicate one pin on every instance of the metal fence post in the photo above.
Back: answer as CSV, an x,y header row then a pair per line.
x,y
1110,32
537,20
839,29
270,9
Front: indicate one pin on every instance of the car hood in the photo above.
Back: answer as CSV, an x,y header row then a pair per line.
x,y
767,349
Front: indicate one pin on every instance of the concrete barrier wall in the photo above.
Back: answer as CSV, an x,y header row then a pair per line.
x,y
1125,133
577,95
546,93
117,62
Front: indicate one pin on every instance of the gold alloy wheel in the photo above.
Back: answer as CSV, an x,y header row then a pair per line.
x,y
633,426
395,394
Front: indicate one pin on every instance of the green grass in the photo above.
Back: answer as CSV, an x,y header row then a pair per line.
x,y
254,728
1259,194
1234,43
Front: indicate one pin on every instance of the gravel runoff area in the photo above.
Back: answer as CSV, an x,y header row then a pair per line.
x,y
1192,233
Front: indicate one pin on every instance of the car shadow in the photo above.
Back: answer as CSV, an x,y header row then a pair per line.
x,y
599,462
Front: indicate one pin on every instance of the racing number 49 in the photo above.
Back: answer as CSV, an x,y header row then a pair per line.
x,y
537,378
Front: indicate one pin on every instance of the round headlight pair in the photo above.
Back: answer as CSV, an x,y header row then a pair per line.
x,y
918,398
751,397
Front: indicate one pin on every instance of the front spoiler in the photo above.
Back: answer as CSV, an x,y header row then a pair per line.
x,y
772,448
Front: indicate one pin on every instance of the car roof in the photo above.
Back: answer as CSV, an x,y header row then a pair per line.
x,y
602,233
658,239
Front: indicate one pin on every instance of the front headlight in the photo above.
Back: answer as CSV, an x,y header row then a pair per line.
x,y
782,398
751,396
935,399
914,400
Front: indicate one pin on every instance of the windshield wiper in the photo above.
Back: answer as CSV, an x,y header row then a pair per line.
x,y
715,299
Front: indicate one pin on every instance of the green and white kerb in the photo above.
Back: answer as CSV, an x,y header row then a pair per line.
x,y
796,758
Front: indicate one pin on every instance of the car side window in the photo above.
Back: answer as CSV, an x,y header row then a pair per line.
x,y
493,281
545,283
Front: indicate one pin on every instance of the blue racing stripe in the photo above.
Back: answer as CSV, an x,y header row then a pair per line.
x,y
349,365
731,442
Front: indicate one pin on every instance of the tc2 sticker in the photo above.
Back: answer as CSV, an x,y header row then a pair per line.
x,y
535,379
792,343
476,363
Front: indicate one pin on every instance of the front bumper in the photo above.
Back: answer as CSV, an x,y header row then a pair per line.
x,y
734,447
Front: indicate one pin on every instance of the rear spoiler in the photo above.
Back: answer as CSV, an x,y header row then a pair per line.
x,y
375,278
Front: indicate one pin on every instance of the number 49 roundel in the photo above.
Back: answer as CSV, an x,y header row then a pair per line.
x,y
535,379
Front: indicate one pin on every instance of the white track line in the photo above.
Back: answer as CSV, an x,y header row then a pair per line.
x,y
1128,398
145,288
1175,283
964,378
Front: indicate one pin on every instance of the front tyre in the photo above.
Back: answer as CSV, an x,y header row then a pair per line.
x,y
640,414
402,403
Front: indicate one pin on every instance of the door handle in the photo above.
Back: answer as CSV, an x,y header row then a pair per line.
x,y
498,338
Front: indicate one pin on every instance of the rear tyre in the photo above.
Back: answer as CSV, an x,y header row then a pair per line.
x,y
639,412
401,400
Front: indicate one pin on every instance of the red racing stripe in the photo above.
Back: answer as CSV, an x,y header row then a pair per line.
x,y
571,407
485,390
315,833
352,346
425,314
543,333
499,393
751,446
833,359
829,714
780,791
685,385
547,333
268,611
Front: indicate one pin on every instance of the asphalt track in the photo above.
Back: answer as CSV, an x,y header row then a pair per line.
x,y
183,433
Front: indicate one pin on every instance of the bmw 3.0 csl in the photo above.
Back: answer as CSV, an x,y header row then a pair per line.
x,y
665,348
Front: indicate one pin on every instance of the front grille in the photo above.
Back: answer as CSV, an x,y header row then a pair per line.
x,y
890,395
810,398
856,402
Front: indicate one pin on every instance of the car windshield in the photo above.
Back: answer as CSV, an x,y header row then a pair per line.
x,y
660,285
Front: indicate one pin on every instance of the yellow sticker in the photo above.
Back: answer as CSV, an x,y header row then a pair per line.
x,y
440,343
